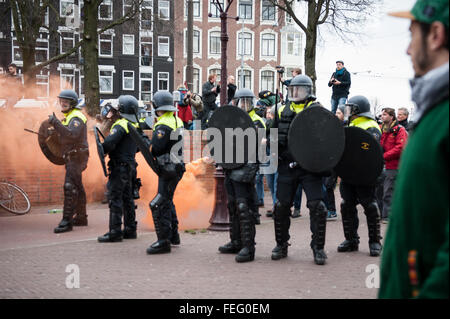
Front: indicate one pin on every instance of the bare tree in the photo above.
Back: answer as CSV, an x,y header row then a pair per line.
x,y
344,16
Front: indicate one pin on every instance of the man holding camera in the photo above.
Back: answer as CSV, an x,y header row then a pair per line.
x,y
210,91
295,72
340,81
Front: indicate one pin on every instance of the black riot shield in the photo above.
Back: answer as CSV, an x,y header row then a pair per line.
x,y
316,139
362,161
232,137
143,146
49,144
100,151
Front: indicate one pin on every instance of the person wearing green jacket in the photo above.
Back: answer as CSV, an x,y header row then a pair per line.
x,y
415,261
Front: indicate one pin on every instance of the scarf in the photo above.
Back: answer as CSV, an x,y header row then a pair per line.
x,y
340,72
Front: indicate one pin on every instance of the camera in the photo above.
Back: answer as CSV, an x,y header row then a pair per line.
x,y
280,69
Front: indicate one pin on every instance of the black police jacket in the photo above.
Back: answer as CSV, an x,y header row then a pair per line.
x,y
120,146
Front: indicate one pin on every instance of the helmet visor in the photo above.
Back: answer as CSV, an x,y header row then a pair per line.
x,y
299,93
349,110
246,103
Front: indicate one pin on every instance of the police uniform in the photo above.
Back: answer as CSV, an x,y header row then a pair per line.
x,y
170,173
122,151
362,194
242,198
72,133
290,175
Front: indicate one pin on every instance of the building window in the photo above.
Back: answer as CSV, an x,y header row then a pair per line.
x,y
106,45
163,81
146,18
268,45
217,72
67,41
105,10
214,9
164,10
163,46
267,80
196,79
289,19
146,51
293,44
246,9
42,50
196,4
128,80
146,87
128,44
106,81
127,6
247,79
268,11
67,79
196,42
66,8
245,43
17,53
214,43
42,85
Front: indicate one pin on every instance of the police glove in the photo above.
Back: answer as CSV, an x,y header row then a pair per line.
x,y
52,119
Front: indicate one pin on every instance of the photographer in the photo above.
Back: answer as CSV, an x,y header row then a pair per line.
x,y
295,72
340,81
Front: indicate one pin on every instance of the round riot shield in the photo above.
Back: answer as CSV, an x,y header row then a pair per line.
x,y
232,137
316,139
49,144
362,161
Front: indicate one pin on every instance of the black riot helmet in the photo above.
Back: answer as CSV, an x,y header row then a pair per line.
x,y
163,101
70,95
128,107
300,89
244,99
358,105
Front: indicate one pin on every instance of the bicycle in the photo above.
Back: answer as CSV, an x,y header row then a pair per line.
x,y
13,198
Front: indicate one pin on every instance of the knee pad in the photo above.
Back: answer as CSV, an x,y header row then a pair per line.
x,y
282,209
371,209
69,188
157,202
242,206
316,206
347,206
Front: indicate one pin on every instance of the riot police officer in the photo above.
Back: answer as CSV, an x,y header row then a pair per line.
x,y
358,113
170,171
290,174
72,135
122,151
242,199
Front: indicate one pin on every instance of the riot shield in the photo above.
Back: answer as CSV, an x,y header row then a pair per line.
x,y
362,161
100,151
143,146
316,139
49,143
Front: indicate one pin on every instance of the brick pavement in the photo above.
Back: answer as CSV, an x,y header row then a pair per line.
x,y
33,263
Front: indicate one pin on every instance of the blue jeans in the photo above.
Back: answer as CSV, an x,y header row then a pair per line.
x,y
335,102
259,183
272,184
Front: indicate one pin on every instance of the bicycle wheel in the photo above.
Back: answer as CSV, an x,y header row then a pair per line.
x,y
14,199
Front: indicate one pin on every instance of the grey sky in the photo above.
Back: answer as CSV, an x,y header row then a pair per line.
x,y
380,56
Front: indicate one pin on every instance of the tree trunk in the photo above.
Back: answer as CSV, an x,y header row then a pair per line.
x,y
29,74
311,41
90,56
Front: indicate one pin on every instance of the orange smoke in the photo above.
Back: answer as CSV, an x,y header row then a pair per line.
x,y
193,203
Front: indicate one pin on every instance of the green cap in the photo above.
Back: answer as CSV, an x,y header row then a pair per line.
x,y
427,11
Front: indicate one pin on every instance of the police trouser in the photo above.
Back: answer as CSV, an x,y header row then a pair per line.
x,y
163,209
121,202
353,195
242,210
288,181
74,194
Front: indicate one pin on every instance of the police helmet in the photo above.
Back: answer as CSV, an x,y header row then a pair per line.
x,y
300,89
70,95
163,101
244,99
128,107
358,105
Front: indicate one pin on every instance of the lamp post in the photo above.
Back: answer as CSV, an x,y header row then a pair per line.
x,y
220,220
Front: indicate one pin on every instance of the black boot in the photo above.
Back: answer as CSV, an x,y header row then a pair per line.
x,y
248,231
350,224
110,237
281,222
64,226
235,244
373,224
318,219
129,233
159,247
